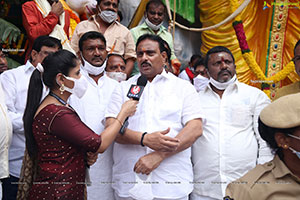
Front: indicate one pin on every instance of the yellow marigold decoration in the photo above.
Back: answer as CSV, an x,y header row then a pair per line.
x,y
74,19
282,74
249,58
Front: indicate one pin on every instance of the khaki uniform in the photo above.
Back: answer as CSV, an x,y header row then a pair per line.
x,y
270,181
286,90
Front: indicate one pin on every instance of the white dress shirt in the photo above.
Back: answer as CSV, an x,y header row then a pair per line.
x,y
15,84
230,145
91,109
167,101
5,136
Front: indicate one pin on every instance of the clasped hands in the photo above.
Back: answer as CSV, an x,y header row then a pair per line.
x,y
162,145
157,141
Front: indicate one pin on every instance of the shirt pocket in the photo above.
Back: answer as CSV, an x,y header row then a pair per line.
x,y
118,45
169,109
239,116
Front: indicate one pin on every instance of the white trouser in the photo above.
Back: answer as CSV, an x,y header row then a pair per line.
x,y
129,198
194,196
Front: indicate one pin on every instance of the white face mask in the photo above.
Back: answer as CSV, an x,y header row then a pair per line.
x,y
91,69
118,76
200,82
222,86
80,86
108,16
153,26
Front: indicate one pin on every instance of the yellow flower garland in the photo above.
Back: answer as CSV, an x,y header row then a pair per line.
x,y
254,67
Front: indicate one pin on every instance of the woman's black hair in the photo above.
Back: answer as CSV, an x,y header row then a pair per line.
x,y
59,62
267,133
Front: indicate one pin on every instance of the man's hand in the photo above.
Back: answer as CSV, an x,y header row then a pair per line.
x,y
91,158
158,141
148,163
57,8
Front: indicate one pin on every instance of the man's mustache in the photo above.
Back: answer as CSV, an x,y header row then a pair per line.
x,y
97,58
225,70
145,62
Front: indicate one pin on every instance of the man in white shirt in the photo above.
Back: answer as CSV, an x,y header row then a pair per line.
x,y
188,72
5,127
167,103
230,145
15,85
91,108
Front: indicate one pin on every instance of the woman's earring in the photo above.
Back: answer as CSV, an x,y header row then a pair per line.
x,y
285,146
62,89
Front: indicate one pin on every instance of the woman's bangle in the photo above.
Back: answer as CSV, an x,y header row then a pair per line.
x,y
142,138
119,121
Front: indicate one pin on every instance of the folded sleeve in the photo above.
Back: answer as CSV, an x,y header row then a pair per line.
x,y
115,103
191,104
67,125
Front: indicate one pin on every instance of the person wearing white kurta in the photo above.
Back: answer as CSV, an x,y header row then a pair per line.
x,y
230,145
166,102
15,86
5,136
91,109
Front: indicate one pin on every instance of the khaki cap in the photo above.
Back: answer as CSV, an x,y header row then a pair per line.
x,y
283,112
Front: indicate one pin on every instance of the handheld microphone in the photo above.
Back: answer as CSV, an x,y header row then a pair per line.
x,y
135,92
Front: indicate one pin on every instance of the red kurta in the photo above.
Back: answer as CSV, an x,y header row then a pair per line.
x,y
36,25
62,140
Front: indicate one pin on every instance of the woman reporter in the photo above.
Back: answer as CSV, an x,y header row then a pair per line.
x,y
56,138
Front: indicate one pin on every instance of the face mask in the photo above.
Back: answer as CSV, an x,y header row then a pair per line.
x,y
222,86
80,86
108,16
153,26
293,150
118,76
91,69
200,82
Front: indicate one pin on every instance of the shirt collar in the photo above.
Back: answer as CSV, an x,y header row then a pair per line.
x,y
144,26
162,75
281,169
158,77
93,18
29,67
90,79
235,86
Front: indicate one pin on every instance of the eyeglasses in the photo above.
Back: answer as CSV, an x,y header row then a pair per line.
x,y
293,136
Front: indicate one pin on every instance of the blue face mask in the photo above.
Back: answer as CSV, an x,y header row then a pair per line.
x,y
293,150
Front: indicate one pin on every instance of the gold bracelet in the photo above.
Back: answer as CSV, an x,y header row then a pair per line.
x,y
119,121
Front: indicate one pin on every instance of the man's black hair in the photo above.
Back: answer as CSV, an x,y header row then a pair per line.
x,y
115,54
152,37
217,49
99,1
47,41
90,35
156,3
201,61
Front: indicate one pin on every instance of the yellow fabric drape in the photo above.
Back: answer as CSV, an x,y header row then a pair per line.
x,y
257,23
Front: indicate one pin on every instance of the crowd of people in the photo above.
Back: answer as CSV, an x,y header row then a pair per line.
x,y
70,130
